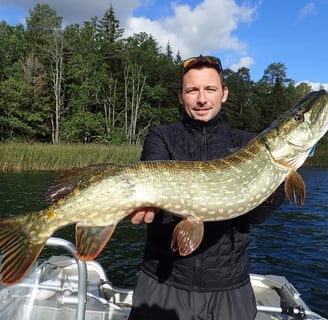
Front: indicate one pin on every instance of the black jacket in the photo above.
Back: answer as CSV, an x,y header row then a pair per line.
x,y
221,261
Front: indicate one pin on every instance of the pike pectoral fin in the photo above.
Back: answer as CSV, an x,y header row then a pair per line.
x,y
90,241
19,252
187,236
295,188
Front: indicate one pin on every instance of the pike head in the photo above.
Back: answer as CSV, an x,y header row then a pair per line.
x,y
290,138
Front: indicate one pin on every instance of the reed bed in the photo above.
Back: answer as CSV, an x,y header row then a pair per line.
x,y
18,157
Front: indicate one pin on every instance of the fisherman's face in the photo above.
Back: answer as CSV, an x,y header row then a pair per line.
x,y
202,93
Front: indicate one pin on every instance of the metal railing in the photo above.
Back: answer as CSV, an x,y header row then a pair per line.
x,y
82,274
81,299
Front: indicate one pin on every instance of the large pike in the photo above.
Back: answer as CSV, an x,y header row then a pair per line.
x,y
97,197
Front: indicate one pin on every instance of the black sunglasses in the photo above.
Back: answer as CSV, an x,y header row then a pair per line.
x,y
199,61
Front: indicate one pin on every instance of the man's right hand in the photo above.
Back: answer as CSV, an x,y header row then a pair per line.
x,y
143,214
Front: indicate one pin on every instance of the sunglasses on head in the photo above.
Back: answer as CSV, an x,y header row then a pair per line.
x,y
200,61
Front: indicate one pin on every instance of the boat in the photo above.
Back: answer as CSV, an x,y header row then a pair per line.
x,y
65,288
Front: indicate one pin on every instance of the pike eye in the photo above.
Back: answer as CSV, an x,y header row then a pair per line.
x,y
299,117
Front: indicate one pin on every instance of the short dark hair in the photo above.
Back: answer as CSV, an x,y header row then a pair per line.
x,y
200,62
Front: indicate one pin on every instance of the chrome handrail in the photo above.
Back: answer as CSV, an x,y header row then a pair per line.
x,y
82,274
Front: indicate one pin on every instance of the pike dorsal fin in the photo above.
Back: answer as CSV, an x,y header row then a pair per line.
x,y
69,180
187,236
295,188
90,241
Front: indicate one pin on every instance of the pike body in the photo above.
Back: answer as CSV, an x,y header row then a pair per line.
x,y
97,197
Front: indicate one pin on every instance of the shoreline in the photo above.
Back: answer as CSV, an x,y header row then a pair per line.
x,y
23,157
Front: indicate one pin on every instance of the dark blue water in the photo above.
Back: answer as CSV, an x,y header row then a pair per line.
x,y
293,242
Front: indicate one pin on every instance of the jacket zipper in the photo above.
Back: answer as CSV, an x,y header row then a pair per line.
x,y
203,154
197,269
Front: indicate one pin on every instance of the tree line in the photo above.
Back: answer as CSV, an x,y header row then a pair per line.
x,y
88,83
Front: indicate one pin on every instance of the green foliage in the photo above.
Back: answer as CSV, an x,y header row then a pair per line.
x,y
240,90
254,106
86,83
41,23
83,126
14,115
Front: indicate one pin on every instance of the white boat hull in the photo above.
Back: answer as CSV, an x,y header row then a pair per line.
x,y
56,290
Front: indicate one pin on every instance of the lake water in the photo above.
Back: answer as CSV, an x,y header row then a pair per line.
x,y
293,242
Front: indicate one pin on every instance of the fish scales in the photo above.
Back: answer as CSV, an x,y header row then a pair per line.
x,y
196,184
97,197
182,187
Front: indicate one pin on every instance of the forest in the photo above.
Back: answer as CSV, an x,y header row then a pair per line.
x,y
88,83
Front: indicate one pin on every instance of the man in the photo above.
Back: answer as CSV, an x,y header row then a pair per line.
x,y
212,282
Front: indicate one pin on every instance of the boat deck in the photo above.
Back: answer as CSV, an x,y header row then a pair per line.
x,y
54,291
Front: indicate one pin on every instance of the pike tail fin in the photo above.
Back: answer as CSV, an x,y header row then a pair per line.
x,y
19,253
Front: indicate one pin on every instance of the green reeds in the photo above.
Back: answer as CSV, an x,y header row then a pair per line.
x,y
17,157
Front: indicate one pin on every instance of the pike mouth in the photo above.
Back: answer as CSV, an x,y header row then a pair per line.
x,y
298,147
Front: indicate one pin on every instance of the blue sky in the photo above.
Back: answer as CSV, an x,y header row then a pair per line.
x,y
250,33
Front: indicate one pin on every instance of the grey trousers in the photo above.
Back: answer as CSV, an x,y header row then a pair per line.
x,y
156,301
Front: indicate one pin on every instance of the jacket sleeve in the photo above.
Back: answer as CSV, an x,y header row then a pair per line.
x,y
154,147
264,210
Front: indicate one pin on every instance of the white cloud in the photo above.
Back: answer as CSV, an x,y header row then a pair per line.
x,y
77,11
243,62
307,10
315,85
207,27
